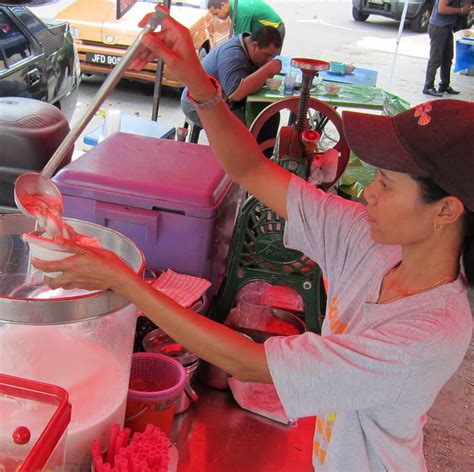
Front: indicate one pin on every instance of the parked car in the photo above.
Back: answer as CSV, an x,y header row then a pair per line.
x,y
418,12
101,39
38,59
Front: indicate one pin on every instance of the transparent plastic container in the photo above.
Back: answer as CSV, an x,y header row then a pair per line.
x,y
35,417
81,341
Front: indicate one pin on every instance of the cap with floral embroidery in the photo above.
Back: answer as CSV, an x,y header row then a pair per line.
x,y
434,139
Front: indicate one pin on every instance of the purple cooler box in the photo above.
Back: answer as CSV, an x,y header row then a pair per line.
x,y
171,198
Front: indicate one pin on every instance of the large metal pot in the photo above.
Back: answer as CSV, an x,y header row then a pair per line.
x,y
25,299
79,340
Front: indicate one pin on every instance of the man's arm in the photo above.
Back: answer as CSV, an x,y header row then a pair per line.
x,y
445,9
253,82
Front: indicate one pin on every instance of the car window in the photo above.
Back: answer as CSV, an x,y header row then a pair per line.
x,y
14,46
34,24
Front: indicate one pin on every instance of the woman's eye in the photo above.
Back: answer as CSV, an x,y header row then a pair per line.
x,y
381,181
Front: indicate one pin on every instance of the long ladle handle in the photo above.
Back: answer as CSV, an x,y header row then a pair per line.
x,y
155,19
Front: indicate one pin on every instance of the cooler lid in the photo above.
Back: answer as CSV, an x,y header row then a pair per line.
x,y
148,173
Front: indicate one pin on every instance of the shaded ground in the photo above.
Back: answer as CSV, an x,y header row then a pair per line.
x,y
449,432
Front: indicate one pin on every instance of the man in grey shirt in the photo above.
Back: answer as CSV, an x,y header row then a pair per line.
x,y
241,65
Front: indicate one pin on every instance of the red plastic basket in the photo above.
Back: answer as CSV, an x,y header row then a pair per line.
x,y
156,381
163,377
37,456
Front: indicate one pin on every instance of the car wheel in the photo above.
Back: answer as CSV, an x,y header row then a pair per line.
x,y
358,15
202,53
420,23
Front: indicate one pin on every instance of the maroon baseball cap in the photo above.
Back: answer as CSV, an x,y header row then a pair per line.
x,y
434,139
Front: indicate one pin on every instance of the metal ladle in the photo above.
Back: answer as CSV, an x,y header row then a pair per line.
x,y
33,183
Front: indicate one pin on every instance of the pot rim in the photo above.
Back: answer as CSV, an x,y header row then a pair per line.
x,y
64,309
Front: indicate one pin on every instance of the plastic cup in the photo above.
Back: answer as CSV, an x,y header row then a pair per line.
x,y
45,249
289,84
253,310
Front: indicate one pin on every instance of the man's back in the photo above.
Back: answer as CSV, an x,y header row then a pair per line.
x,y
253,14
229,64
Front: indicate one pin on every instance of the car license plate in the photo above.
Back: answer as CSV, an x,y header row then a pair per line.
x,y
102,59
377,2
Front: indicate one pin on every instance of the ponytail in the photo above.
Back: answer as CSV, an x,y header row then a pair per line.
x,y
468,247
431,192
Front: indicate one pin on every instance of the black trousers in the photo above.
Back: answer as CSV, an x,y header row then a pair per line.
x,y
441,55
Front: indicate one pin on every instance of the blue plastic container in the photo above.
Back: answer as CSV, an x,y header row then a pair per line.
x,y
337,67
135,125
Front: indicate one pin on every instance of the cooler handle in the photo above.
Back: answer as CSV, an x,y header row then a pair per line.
x,y
110,212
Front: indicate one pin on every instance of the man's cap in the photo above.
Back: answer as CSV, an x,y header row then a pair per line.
x,y
434,139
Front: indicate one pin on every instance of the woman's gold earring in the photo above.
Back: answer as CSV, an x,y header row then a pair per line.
x,y
437,226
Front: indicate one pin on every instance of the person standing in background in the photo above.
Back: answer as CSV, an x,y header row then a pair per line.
x,y
250,15
443,22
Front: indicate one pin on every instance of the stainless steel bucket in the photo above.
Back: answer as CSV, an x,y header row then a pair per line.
x,y
27,300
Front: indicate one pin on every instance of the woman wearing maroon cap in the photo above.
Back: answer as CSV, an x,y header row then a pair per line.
x,y
399,319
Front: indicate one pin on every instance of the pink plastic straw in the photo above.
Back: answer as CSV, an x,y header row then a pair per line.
x,y
126,436
118,442
147,451
123,467
95,448
114,431
98,464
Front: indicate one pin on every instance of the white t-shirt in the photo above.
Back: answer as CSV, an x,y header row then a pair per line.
x,y
376,369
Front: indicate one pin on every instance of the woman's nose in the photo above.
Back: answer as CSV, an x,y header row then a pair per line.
x,y
369,193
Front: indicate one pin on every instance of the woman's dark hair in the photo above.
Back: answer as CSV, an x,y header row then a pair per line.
x,y
431,192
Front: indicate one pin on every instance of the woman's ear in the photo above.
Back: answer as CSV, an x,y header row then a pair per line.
x,y
451,210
